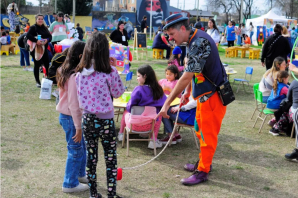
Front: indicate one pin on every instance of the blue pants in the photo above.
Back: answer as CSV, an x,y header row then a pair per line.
x,y
24,55
76,156
169,123
251,34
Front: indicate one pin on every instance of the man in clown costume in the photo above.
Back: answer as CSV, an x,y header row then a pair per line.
x,y
203,66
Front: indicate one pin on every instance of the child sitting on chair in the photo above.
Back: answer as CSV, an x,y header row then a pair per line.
x,y
148,93
3,38
8,37
175,58
172,77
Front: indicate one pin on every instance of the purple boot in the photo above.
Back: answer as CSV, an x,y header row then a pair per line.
x,y
193,167
196,178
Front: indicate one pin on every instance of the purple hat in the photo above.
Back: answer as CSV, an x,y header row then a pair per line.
x,y
177,50
174,18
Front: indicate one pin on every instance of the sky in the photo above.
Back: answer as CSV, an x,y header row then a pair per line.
x,y
190,4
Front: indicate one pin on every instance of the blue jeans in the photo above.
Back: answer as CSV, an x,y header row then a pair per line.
x,y
76,156
24,55
169,123
251,33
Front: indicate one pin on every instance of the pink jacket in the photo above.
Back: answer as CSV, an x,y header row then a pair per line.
x,y
68,101
175,62
146,118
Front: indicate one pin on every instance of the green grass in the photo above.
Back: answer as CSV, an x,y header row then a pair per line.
x,y
246,163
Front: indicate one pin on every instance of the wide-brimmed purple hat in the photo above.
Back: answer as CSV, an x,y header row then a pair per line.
x,y
174,18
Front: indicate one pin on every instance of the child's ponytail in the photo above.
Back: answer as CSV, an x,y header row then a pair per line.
x,y
280,76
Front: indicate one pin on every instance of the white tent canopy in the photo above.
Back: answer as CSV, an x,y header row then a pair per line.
x,y
260,22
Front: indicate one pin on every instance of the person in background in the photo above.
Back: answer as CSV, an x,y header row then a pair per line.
x,y
172,77
57,60
53,19
274,46
251,31
293,36
2,29
38,48
70,120
95,30
12,10
243,32
213,31
17,30
293,96
238,33
67,18
80,31
8,37
175,58
59,29
247,40
160,42
198,24
120,34
266,84
27,27
287,35
24,54
230,34
144,23
3,39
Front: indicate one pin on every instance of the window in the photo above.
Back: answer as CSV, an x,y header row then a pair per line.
x,y
132,1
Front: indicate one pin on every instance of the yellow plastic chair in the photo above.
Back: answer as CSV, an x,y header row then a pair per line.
x,y
158,53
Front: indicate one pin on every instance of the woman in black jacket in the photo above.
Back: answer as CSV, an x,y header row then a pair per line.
x,y
39,29
120,34
274,46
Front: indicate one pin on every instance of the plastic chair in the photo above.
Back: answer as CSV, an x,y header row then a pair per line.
x,y
138,110
266,112
179,125
158,53
259,105
248,71
128,78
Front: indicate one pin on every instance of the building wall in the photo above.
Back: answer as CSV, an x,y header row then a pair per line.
x,y
83,20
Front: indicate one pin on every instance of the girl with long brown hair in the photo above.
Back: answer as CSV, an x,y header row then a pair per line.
x,y
70,120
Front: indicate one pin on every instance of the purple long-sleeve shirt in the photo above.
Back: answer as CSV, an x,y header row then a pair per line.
x,y
142,96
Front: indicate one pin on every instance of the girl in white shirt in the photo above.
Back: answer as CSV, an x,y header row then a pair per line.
x,y
213,31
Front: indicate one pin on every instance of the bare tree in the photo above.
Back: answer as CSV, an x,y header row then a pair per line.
x,y
248,6
271,3
289,7
225,5
237,4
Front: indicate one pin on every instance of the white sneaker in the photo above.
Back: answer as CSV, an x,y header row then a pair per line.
x,y
120,137
54,93
30,69
83,180
158,144
79,188
25,69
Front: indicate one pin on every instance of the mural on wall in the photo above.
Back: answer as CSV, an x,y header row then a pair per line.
x,y
108,21
261,35
160,11
19,20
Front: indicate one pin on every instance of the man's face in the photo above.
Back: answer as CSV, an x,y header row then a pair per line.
x,y
157,14
177,35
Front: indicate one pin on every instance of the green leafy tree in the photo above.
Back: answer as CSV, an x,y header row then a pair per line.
x,y
83,7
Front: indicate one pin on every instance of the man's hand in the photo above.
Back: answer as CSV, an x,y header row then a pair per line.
x,y
78,136
185,98
163,112
263,64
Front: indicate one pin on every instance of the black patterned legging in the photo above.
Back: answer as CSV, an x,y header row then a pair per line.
x,y
103,129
